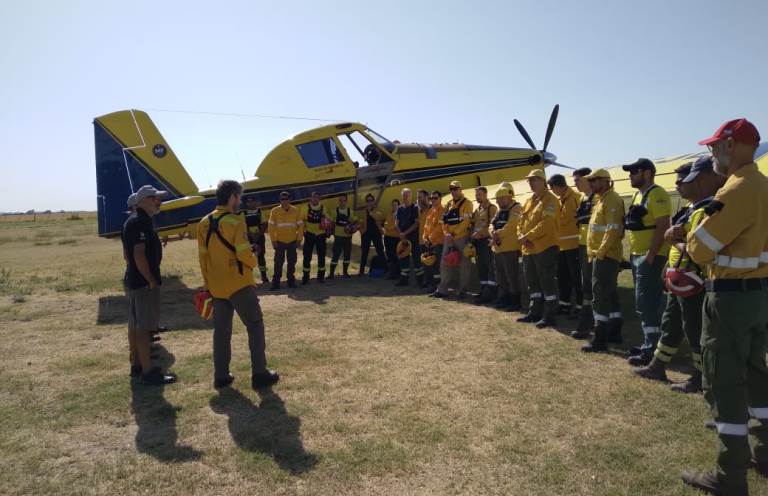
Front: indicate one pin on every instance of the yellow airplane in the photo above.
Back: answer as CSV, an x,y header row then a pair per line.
x,y
337,159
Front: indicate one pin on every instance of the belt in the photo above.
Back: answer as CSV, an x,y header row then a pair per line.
x,y
753,284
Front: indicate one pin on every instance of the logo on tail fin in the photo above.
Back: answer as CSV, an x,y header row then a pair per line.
x,y
159,150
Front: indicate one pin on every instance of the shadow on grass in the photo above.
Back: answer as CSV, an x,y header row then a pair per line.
x,y
156,420
266,428
177,310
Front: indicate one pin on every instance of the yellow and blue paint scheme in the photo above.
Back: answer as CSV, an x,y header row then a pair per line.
x,y
131,152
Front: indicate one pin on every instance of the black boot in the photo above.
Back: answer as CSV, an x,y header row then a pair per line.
x,y
490,294
420,281
598,343
479,298
275,284
264,277
291,282
403,281
321,276
332,274
529,318
503,301
642,359
305,279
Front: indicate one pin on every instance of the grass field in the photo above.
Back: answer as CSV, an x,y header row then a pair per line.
x,y
382,392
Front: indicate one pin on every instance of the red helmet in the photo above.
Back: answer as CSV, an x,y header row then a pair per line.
x,y
204,304
452,258
683,283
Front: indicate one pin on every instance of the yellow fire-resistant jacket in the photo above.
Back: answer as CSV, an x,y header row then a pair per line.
x,y
285,226
569,229
733,240
506,232
338,229
218,264
433,229
377,216
460,230
423,213
481,219
390,226
606,227
539,223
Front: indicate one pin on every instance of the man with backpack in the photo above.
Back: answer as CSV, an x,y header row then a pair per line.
x,y
226,263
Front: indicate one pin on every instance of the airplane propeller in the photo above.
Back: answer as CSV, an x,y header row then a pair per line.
x,y
548,159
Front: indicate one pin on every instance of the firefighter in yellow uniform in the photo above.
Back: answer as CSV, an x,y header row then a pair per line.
x,y
423,203
257,228
457,218
506,250
226,264
313,214
604,250
433,239
568,267
344,225
732,241
538,233
481,238
286,230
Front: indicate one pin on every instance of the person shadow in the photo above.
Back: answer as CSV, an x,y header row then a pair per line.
x,y
266,428
156,420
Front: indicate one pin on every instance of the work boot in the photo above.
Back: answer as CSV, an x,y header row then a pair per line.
x,y
402,282
546,322
479,297
321,277
614,331
224,381
599,340
292,282
564,309
438,294
490,294
420,281
707,482
514,305
692,385
461,294
529,318
275,284
362,272
305,279
581,334
332,274
264,277
264,379
655,371
156,377
642,359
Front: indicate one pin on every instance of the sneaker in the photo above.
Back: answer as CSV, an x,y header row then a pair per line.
x,y
224,382
264,379
156,377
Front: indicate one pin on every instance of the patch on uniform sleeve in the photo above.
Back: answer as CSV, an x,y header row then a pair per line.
x,y
714,207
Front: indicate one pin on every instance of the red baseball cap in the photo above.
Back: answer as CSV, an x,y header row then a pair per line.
x,y
741,130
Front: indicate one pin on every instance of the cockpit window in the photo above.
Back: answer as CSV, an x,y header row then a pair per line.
x,y
319,153
384,142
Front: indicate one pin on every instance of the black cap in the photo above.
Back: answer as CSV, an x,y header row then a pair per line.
x,y
640,164
684,169
701,164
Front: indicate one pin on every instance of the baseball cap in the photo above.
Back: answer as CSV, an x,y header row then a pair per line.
x,y
599,174
701,164
148,191
640,164
537,173
741,130
454,184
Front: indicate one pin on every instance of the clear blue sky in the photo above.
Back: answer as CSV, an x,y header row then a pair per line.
x,y
632,78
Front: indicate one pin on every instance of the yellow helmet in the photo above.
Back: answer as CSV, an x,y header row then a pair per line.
x,y
469,251
428,259
502,192
404,249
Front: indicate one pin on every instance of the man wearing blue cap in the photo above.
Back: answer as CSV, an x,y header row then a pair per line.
x,y
698,184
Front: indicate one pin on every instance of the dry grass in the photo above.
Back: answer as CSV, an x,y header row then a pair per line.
x,y
383,392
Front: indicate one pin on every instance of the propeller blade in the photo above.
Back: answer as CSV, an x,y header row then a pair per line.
x,y
525,134
551,126
561,165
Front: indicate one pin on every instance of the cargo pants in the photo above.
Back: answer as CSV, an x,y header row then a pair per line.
x,y
540,272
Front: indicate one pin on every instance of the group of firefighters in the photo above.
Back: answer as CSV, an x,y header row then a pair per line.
x,y
711,257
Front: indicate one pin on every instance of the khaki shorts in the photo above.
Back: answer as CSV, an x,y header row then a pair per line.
x,y
143,309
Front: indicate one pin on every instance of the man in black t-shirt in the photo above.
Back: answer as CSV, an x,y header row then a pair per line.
x,y
407,217
143,253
